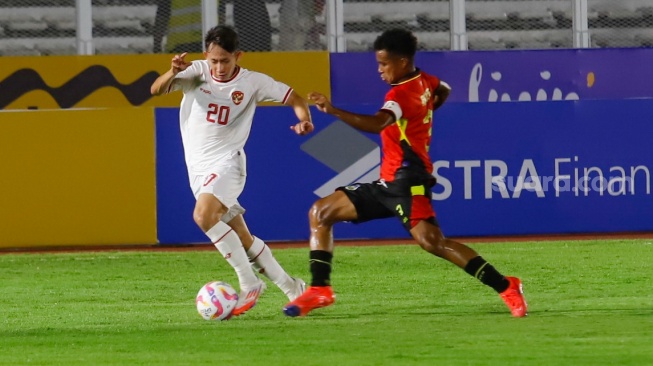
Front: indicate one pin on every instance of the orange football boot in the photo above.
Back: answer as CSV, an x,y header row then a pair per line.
x,y
314,297
248,298
513,296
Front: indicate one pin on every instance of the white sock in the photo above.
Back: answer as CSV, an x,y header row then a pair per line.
x,y
264,262
229,245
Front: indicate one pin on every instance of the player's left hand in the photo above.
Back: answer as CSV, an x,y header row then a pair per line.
x,y
303,128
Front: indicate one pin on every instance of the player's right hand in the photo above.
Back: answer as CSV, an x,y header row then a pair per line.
x,y
179,64
321,102
303,128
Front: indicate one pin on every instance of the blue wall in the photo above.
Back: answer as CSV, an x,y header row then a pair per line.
x,y
604,129
526,138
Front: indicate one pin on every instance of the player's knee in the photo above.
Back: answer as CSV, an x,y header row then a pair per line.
x,y
321,213
207,215
206,219
202,221
432,243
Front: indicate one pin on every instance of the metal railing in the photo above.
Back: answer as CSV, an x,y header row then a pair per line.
x,y
86,27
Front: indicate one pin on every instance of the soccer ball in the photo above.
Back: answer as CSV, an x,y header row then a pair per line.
x,y
216,301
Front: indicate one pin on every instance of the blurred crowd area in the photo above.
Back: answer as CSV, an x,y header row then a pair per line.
x,y
48,27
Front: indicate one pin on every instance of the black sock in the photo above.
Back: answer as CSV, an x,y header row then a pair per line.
x,y
320,262
484,272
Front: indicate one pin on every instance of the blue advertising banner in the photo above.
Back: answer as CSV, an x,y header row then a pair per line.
x,y
502,169
496,76
538,168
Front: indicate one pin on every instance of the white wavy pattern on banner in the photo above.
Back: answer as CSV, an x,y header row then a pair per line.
x,y
541,95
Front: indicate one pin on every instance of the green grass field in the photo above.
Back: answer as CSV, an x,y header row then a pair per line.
x,y
591,303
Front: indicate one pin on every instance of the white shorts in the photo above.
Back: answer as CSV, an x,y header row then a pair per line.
x,y
225,181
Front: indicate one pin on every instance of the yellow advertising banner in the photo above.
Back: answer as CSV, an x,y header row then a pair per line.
x,y
55,82
77,177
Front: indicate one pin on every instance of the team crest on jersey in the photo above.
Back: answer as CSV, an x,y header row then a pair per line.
x,y
237,97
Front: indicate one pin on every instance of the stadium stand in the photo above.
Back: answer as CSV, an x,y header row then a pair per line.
x,y
50,30
40,27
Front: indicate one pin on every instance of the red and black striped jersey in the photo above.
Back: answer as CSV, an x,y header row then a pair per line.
x,y
405,144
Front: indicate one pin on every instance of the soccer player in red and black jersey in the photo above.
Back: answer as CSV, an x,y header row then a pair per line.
x,y
404,188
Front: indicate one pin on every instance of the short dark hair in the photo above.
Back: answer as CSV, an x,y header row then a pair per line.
x,y
223,36
399,42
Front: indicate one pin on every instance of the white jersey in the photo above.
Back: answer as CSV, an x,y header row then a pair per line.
x,y
216,116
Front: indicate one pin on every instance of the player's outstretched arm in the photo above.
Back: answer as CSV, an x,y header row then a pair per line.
x,y
162,84
364,122
300,106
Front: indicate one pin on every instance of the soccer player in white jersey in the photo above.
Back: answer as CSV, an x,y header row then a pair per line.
x,y
216,117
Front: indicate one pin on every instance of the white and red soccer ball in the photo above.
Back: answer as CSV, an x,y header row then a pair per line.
x,y
216,301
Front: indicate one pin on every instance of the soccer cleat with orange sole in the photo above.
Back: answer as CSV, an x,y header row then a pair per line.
x,y
314,297
513,296
248,298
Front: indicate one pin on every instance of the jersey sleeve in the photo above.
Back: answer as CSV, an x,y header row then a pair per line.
x,y
270,90
392,105
188,78
435,81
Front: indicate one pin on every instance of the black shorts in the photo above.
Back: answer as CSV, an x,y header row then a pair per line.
x,y
409,202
